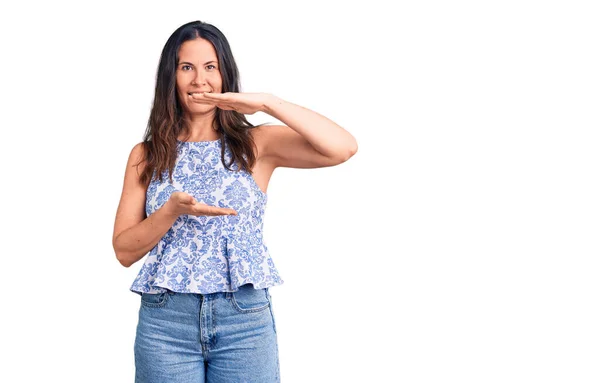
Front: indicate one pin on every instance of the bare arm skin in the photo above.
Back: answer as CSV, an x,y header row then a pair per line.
x,y
310,140
133,243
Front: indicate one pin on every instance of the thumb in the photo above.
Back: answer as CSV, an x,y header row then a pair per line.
x,y
189,200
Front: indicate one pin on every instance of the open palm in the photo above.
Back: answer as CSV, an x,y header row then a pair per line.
x,y
246,103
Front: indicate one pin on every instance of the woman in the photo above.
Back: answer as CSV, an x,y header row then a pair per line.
x,y
193,199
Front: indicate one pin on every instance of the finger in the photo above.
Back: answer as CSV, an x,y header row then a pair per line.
x,y
223,211
213,211
218,103
204,100
212,96
216,96
221,97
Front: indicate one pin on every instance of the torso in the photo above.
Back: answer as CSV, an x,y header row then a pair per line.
x,y
262,169
206,254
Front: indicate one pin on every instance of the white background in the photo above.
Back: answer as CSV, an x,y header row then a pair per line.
x,y
460,244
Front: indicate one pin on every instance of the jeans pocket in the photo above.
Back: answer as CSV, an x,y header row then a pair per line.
x,y
249,300
155,300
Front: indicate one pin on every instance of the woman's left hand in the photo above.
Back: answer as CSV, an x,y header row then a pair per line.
x,y
246,103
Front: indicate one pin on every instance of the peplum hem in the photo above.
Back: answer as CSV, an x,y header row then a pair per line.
x,y
158,289
239,259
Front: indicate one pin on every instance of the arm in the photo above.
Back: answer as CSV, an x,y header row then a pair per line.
x,y
134,235
309,140
134,243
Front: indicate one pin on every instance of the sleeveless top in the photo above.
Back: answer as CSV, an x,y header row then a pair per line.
x,y
206,254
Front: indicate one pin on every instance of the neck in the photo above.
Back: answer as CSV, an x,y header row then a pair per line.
x,y
200,128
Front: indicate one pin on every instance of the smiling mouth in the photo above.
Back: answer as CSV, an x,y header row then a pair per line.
x,y
192,93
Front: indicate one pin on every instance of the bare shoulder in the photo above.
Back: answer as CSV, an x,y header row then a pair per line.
x,y
137,157
260,136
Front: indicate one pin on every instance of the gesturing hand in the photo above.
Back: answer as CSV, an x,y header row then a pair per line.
x,y
184,203
246,103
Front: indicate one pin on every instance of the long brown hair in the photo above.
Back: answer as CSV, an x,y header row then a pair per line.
x,y
166,120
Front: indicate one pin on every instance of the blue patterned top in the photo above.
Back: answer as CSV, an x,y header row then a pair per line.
x,y
206,254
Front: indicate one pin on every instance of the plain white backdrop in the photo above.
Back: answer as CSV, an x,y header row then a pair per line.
x,y
460,244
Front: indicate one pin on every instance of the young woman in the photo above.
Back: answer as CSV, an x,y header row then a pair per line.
x,y
193,199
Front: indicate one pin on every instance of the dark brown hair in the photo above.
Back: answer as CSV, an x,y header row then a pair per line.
x,y
166,120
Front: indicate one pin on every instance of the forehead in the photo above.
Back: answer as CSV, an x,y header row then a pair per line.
x,y
197,50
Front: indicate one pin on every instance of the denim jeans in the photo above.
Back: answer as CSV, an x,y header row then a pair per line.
x,y
219,337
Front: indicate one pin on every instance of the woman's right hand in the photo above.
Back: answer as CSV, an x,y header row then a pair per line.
x,y
184,203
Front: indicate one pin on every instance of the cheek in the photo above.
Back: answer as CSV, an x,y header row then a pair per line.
x,y
179,85
216,81
182,81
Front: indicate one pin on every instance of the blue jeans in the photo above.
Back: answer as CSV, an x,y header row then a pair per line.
x,y
219,337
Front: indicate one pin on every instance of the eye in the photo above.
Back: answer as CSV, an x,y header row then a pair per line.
x,y
211,66
185,66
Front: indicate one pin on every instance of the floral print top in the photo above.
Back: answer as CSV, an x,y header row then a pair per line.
x,y
206,254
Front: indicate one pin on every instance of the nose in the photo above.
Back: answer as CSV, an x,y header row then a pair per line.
x,y
199,78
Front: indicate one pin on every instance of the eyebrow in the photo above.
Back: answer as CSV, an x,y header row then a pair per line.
x,y
185,62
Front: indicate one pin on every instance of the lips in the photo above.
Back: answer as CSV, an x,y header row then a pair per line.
x,y
192,93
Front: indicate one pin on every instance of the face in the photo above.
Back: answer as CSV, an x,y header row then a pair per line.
x,y
197,71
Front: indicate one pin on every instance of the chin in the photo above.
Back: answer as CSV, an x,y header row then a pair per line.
x,y
201,108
